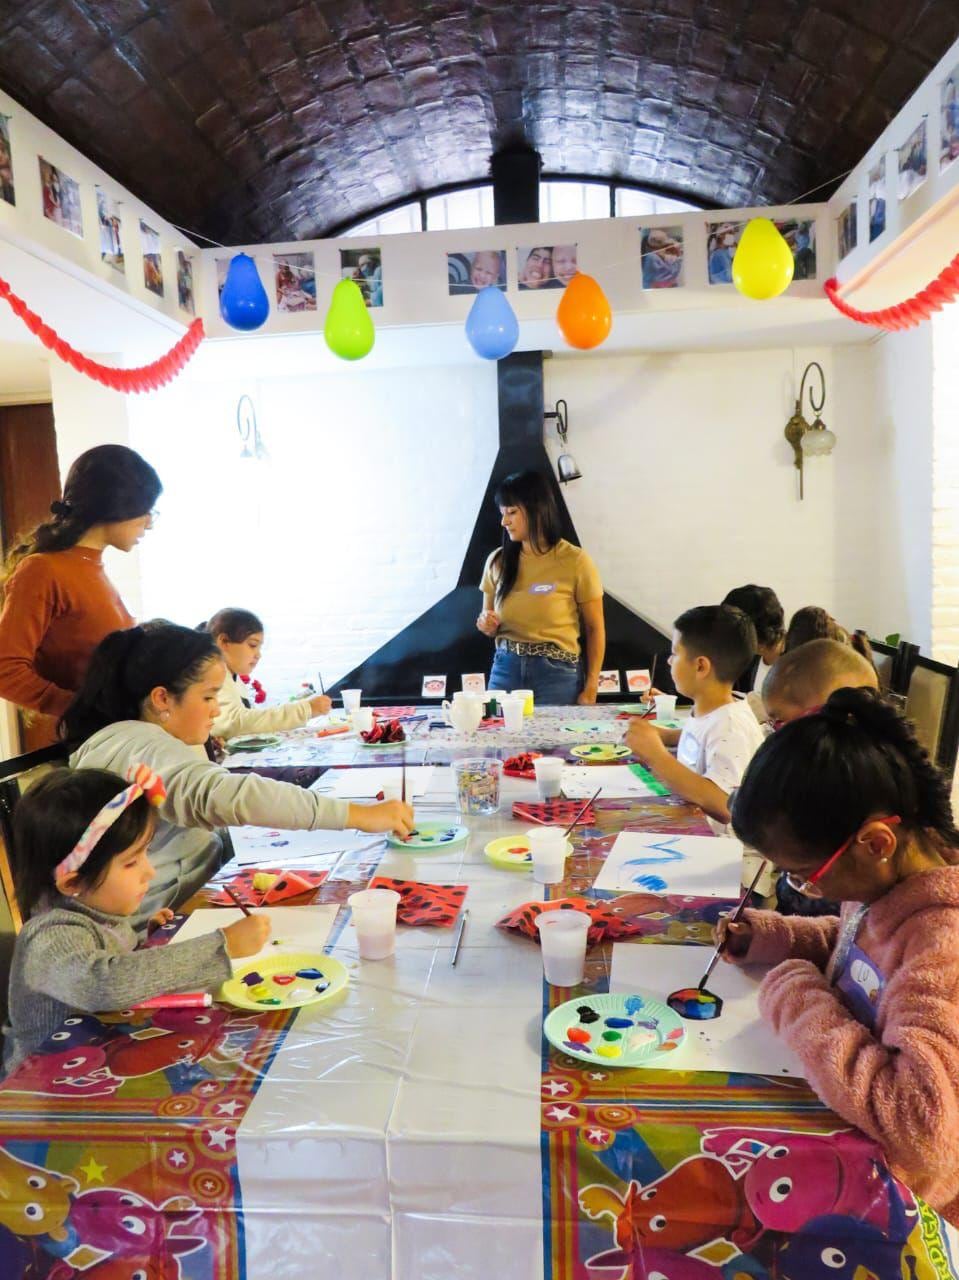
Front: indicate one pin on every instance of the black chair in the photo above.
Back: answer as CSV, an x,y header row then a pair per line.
x,y
932,703
13,774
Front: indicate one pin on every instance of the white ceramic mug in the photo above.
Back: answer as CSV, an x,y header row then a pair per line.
x,y
463,714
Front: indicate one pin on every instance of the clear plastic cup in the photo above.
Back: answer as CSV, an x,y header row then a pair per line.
x,y
549,776
477,781
362,719
528,701
562,937
665,704
512,713
351,699
374,920
547,846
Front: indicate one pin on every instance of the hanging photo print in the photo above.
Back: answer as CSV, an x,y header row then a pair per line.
x,y
662,254
295,279
546,266
6,162
877,199
723,238
184,282
913,161
470,272
948,120
365,268
61,198
222,271
847,230
152,266
108,218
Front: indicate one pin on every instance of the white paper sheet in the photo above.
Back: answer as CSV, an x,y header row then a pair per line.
x,y
664,862
265,847
738,1040
617,780
364,784
294,928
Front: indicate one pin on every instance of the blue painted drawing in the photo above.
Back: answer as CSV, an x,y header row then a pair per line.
x,y
664,847
655,884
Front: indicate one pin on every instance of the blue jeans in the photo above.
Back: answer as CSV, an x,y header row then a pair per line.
x,y
553,683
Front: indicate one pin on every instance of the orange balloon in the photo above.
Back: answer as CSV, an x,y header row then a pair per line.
x,y
583,314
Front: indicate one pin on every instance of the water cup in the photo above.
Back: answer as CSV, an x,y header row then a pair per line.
x,y
547,845
562,938
527,696
374,919
392,790
351,699
477,783
665,704
512,713
362,719
549,776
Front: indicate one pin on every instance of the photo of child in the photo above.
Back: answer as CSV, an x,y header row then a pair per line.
x,y
108,217
877,199
152,265
723,238
470,272
365,268
6,163
913,162
847,229
184,282
662,254
61,198
546,266
294,277
800,235
222,271
948,120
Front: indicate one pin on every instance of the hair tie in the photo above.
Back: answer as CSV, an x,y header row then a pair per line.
x,y
61,509
143,782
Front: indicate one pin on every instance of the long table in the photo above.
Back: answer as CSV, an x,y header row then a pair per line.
x,y
421,1128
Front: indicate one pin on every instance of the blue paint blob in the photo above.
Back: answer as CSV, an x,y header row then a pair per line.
x,y
655,884
619,1022
633,1004
309,973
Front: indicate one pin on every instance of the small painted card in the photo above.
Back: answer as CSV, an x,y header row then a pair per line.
x,y
639,681
609,682
663,862
434,687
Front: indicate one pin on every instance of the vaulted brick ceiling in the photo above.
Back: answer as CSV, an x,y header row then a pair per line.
x,y
257,120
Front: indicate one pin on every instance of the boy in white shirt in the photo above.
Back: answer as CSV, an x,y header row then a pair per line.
x,y
712,646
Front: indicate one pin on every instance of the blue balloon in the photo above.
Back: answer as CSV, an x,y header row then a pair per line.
x,y
243,302
491,326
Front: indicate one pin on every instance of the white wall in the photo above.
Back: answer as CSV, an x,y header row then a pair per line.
x,y
945,471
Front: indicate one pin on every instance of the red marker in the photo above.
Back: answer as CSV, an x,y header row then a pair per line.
x,y
184,1000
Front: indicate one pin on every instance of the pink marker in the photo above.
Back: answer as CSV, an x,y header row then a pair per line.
x,y
185,1000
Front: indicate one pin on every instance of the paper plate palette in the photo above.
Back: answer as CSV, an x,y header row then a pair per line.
x,y
636,708
430,836
600,752
587,728
511,853
615,1030
254,742
286,980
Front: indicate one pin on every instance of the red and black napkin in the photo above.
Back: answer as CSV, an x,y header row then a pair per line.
x,y
553,813
288,884
606,923
436,904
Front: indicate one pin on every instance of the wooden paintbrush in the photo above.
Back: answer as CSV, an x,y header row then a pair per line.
x,y
730,920
581,812
232,893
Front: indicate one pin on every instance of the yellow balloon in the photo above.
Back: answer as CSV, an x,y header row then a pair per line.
x,y
348,329
763,263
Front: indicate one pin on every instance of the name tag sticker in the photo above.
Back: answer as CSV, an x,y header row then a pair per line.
x,y
542,588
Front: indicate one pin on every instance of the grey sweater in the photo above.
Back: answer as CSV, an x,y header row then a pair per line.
x,y
200,797
72,958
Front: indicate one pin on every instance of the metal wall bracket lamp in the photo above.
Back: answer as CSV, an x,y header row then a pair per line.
x,y
809,440
566,467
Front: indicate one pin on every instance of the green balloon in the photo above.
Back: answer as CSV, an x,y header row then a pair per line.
x,y
348,328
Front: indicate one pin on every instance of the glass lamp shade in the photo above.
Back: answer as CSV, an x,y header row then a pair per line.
x,y
567,468
818,440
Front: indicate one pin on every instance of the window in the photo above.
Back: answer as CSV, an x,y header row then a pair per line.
x,y
470,208
631,203
573,201
406,218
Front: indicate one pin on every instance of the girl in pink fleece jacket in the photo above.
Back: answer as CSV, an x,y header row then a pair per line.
x,y
849,804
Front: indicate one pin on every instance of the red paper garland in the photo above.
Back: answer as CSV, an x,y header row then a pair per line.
x,y
147,377
903,315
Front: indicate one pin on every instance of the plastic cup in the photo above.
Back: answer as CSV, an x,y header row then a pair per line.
x,y
527,696
549,776
374,919
665,704
562,937
392,790
512,713
547,845
362,719
477,782
351,699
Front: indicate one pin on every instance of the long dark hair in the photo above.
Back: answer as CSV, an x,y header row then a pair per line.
x,y
236,624
126,665
823,775
532,491
105,485
53,815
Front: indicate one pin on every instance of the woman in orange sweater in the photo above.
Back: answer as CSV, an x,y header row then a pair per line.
x,y
58,603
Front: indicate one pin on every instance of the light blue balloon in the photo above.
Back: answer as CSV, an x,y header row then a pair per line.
x,y
491,326
243,302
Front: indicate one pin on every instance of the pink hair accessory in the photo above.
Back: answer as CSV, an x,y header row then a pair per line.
x,y
143,782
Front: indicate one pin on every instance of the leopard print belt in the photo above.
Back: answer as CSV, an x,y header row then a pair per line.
x,y
529,649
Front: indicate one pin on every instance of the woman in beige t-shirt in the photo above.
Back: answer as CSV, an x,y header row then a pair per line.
x,y
539,591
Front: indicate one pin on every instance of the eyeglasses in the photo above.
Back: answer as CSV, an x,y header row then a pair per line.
x,y
809,887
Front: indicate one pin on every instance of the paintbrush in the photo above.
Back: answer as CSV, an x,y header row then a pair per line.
x,y
581,812
319,676
730,920
232,893
459,936
403,776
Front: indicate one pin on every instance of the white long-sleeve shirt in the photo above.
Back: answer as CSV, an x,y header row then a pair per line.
x,y
236,719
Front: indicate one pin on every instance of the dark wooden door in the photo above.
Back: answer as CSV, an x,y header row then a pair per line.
x,y
29,482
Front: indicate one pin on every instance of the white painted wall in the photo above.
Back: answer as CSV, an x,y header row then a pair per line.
x,y
945,474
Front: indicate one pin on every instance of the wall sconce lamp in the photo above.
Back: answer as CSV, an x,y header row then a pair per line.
x,y
809,440
249,432
566,467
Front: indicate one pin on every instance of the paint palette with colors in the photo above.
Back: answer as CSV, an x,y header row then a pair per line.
x,y
600,752
511,853
287,980
631,1030
430,836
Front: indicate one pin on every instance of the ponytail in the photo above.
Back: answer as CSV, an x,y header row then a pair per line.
x,y
126,666
821,776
